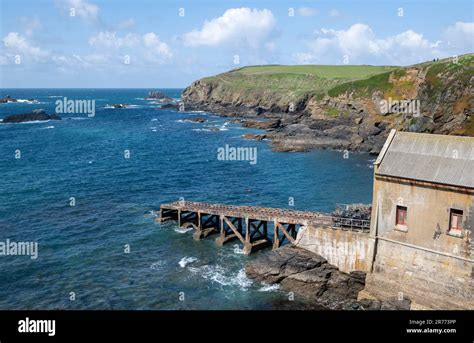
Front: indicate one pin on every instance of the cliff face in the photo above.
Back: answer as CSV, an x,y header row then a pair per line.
x,y
354,109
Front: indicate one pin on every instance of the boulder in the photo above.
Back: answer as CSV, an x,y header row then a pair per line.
x,y
35,115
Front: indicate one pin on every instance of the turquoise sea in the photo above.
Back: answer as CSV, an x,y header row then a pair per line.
x,y
82,247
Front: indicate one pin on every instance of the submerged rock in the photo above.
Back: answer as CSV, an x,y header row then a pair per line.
x,y
197,120
120,105
35,115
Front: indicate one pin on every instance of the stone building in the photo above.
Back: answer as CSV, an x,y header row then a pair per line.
x,y
423,220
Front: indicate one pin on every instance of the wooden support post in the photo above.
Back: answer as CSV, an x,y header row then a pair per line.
x,y
247,228
234,229
285,232
222,237
179,218
276,238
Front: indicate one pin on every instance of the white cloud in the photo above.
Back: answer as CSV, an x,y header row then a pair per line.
x,y
82,9
16,44
460,36
109,39
307,11
237,27
148,47
155,47
361,45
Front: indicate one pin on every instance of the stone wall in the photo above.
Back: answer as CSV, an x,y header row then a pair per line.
x,y
428,214
431,280
347,250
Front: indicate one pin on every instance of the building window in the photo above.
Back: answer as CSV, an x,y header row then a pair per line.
x,y
455,221
401,215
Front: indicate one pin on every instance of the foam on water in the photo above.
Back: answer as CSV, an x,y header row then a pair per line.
x,y
269,288
217,273
187,260
183,230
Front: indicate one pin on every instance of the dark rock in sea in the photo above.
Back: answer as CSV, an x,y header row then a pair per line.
x,y
155,95
174,106
7,99
120,105
308,275
197,120
35,115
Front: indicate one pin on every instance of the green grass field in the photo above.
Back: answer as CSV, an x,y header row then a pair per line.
x,y
294,81
347,72
290,82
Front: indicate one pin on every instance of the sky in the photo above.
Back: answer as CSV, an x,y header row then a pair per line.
x,y
171,43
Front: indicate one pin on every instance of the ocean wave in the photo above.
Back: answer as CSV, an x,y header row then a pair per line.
x,y
154,119
180,230
47,127
187,260
217,273
269,288
152,214
26,101
31,122
55,96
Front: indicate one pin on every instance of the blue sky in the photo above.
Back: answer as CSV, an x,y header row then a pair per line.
x,y
92,43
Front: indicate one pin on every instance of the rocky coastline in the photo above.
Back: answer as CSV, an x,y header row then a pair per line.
x,y
348,116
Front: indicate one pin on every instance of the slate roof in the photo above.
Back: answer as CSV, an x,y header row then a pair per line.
x,y
432,158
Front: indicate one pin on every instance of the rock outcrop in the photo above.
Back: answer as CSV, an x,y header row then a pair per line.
x,y
356,115
35,115
308,275
7,99
315,283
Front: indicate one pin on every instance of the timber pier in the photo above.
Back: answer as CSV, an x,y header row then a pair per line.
x,y
255,227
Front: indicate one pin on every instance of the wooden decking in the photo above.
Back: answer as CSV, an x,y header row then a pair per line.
x,y
249,224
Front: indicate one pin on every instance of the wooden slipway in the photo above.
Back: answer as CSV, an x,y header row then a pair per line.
x,y
250,224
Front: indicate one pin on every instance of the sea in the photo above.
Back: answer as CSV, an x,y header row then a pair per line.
x,y
85,190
